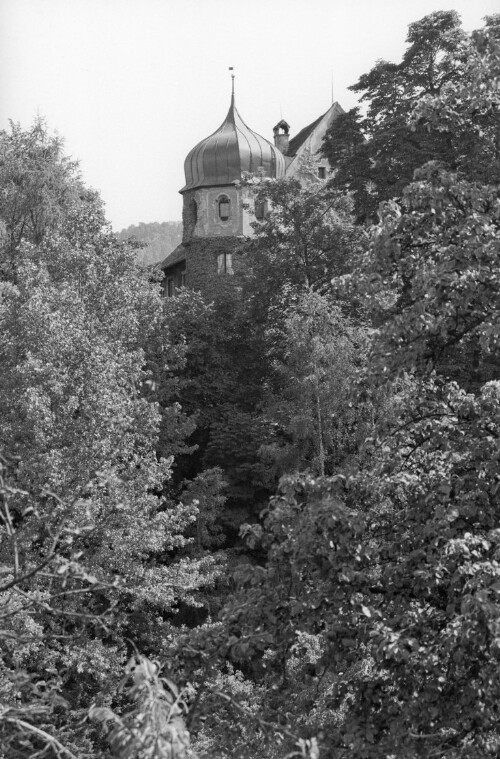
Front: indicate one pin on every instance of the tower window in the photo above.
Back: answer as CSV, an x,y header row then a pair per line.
x,y
225,263
321,172
260,209
224,208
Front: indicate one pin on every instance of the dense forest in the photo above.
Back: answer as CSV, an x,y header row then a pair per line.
x,y
158,239
265,525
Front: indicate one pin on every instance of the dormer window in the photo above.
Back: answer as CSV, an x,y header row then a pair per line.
x,y
224,205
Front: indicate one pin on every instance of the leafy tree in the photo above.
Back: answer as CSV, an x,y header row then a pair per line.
x,y
86,543
221,387
41,188
466,114
378,604
154,727
429,272
313,420
383,148
350,153
206,491
304,241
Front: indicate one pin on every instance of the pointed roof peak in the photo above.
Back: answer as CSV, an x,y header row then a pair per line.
x,y
233,75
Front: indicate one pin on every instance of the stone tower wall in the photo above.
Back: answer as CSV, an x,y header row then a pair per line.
x,y
201,264
200,213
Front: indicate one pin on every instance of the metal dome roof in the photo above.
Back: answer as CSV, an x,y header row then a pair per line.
x,y
232,149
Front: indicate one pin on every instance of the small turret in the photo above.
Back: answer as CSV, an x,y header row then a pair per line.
x,y
281,136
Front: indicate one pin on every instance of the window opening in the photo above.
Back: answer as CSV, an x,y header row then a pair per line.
x,y
260,209
224,208
170,287
225,263
322,172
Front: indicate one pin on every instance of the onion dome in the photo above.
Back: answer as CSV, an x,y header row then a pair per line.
x,y
222,158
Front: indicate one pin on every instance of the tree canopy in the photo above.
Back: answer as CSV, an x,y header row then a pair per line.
x,y
376,153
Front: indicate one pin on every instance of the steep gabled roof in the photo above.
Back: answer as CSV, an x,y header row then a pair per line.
x,y
296,142
323,123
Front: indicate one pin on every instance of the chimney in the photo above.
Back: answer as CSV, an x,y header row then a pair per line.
x,y
281,136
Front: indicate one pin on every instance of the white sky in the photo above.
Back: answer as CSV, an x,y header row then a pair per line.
x,y
133,85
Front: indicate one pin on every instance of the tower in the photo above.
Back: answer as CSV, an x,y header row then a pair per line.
x,y
217,208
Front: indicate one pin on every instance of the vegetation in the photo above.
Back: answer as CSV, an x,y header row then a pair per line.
x,y
266,525
376,154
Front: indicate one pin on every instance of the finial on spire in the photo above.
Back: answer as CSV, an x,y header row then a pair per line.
x,y
231,68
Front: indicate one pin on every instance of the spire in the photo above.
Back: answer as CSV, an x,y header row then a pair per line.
x,y
231,68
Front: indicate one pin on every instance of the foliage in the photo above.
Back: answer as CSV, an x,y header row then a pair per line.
x,y
467,112
221,387
206,492
315,426
39,188
377,604
86,543
304,241
431,278
383,148
153,728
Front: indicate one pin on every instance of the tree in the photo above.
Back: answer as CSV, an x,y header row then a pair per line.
x,y
154,727
304,241
315,426
377,606
429,272
221,386
87,543
383,148
40,187
466,113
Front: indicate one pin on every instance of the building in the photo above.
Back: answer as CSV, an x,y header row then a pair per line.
x,y
217,209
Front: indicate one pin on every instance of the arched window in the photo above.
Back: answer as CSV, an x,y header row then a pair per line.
x,y
224,205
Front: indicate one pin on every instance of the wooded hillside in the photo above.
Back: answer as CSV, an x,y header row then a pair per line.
x,y
159,238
